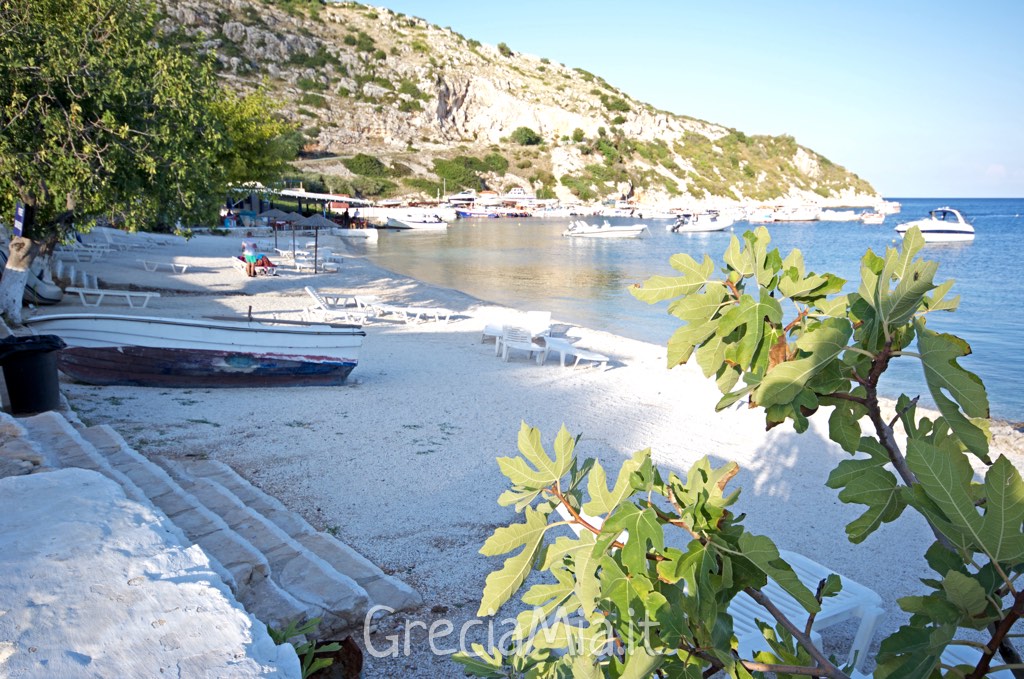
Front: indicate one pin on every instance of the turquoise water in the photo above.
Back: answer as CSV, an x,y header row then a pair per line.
x,y
527,264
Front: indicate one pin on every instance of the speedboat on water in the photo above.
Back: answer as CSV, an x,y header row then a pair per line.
x,y
942,225
702,222
583,229
872,218
417,222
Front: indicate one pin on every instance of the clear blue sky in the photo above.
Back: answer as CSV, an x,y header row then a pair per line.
x,y
920,98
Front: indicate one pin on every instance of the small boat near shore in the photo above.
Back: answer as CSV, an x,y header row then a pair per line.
x,y
872,218
942,225
151,351
700,222
582,229
425,222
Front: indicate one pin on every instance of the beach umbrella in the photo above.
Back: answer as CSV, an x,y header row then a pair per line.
x,y
281,216
316,221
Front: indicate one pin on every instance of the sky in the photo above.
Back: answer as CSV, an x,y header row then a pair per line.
x,y
920,98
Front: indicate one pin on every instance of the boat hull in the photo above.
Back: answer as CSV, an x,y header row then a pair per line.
x,y
943,225
412,224
581,229
161,352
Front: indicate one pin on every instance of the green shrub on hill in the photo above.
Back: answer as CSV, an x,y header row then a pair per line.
x,y
615,103
495,162
526,137
366,166
318,60
310,85
313,99
427,186
504,50
580,187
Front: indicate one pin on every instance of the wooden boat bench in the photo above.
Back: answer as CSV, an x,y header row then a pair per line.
x,y
153,265
130,296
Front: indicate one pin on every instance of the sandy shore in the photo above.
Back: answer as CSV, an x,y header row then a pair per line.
x,y
400,462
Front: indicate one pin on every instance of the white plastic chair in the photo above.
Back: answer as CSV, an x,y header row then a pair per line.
x,y
515,337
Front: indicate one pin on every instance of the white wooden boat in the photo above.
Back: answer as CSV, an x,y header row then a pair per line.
x,y
182,352
942,225
703,222
425,222
582,229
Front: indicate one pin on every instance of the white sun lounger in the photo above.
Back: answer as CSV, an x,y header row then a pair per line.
x,y
153,265
95,296
413,313
565,348
855,601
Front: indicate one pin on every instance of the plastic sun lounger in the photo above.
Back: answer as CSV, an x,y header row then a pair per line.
x,y
153,265
85,294
957,655
413,313
565,348
266,270
853,601
314,314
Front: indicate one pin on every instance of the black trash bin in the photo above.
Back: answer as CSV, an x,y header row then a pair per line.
x,y
30,371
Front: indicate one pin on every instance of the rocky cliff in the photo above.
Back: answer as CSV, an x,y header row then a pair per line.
x,y
391,104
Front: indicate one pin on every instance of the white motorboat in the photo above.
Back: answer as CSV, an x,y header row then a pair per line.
x,y
942,225
426,222
702,222
181,352
872,218
584,229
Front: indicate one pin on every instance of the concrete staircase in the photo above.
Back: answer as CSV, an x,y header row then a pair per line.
x,y
278,566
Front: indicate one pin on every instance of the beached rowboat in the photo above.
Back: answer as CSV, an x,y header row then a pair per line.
x,y
181,352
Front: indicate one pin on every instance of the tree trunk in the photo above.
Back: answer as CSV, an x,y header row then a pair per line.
x,y
12,285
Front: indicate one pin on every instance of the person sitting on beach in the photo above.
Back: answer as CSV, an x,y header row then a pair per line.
x,y
250,256
263,262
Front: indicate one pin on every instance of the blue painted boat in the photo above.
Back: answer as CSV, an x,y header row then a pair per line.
x,y
178,352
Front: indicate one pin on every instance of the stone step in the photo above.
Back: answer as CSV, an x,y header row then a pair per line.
x,y
382,588
248,568
301,572
19,454
66,447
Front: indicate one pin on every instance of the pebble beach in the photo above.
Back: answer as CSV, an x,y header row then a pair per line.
x,y
400,461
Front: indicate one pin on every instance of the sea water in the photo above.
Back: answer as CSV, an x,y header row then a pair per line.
x,y
528,264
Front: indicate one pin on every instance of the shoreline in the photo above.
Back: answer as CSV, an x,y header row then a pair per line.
x,y
400,461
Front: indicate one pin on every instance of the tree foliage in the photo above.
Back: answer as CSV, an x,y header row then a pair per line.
x,y
99,118
625,604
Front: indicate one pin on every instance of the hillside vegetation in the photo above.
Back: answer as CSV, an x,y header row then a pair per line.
x,y
390,104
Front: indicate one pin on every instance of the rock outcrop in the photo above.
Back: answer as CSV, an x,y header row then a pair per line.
x,y
360,79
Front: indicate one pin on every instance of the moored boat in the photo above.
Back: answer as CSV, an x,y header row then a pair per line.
x,y
702,222
584,229
431,222
872,218
180,352
942,225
